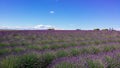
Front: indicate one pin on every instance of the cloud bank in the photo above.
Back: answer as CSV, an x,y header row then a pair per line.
x,y
37,27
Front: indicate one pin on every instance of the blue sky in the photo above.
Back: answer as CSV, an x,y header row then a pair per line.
x,y
65,14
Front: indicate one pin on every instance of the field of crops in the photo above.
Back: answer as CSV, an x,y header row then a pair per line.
x,y
59,49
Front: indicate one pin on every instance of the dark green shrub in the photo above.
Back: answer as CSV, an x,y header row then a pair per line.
x,y
51,29
97,29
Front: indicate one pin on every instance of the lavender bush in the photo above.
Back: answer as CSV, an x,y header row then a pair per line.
x,y
59,49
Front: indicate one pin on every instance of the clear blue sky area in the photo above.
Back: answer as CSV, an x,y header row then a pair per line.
x,y
66,14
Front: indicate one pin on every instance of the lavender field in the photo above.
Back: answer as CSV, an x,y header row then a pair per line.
x,y
59,49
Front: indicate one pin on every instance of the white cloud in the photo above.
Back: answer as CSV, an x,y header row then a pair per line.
x,y
52,12
37,27
43,27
